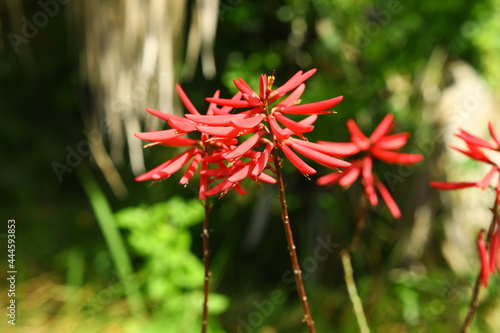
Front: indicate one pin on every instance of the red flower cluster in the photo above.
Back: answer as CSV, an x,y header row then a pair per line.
x,y
477,149
379,145
480,150
198,151
262,127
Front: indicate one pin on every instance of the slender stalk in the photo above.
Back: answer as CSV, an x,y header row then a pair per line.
x,y
206,261
345,256
353,292
291,245
475,293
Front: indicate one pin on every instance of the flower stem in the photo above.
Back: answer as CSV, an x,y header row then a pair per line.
x,y
475,293
345,256
291,245
206,261
353,292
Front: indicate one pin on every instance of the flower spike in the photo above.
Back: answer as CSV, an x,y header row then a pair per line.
x,y
379,145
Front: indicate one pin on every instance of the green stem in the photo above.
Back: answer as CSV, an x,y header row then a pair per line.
x,y
345,256
353,292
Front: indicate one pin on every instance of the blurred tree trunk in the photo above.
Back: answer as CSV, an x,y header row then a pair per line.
x,y
131,52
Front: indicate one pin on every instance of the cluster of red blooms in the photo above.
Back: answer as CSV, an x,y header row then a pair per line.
x,y
482,150
262,127
379,145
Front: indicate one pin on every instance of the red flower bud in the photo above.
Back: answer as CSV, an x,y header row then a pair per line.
x,y
483,256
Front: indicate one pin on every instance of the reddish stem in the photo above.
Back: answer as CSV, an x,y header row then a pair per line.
x,y
291,245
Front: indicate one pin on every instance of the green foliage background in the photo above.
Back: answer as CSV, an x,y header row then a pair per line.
x,y
358,47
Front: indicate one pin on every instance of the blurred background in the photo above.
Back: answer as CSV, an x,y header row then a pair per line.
x,y
98,252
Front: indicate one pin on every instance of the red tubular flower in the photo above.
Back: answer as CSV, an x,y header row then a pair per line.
x,y
219,120
321,149
160,136
494,135
312,108
185,100
366,172
483,256
316,153
262,160
296,161
474,140
192,157
291,84
477,148
389,201
380,145
244,147
170,167
234,174
293,126
451,186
